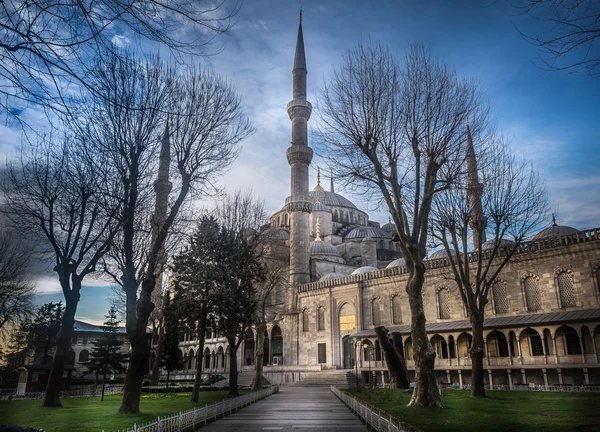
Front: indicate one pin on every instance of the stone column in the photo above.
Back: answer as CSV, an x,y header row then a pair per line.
x,y
491,379
581,344
524,376
586,376
460,381
487,351
544,371
448,377
560,378
510,381
555,348
519,348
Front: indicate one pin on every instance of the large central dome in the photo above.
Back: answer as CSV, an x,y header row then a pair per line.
x,y
329,199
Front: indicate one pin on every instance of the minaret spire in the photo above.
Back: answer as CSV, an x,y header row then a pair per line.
x,y
318,187
331,189
474,189
299,156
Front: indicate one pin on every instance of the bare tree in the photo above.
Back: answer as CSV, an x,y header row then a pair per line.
x,y
507,206
55,196
16,289
569,34
46,45
205,127
395,132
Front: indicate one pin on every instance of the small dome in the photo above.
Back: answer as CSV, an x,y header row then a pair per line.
x,y
366,231
389,228
333,275
555,231
489,245
319,206
323,248
438,254
397,263
364,269
276,234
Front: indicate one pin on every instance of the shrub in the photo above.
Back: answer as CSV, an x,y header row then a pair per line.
x,y
9,428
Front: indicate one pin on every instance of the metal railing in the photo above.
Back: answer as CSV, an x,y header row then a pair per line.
x,y
375,418
88,391
201,415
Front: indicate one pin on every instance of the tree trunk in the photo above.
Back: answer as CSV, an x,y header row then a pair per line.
x,y
136,323
63,343
398,378
233,369
168,375
259,356
199,363
399,348
477,354
103,381
157,358
426,392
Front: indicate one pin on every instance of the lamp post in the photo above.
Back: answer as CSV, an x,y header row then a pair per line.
x,y
369,349
356,345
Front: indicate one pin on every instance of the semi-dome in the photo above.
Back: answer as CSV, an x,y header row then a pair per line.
x,y
489,245
439,254
364,269
319,206
276,234
366,231
555,231
389,228
397,263
323,248
333,275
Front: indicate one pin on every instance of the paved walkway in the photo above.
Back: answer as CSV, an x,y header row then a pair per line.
x,y
292,409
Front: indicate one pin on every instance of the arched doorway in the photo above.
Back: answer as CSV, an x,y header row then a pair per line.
x,y
347,326
249,348
277,343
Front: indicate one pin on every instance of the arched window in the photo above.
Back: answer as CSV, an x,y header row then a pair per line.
x,y
532,293
285,220
396,310
278,221
304,320
443,303
566,288
377,351
84,356
500,299
320,318
375,318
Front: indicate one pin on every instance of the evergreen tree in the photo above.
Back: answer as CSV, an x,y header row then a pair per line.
x,y
170,358
106,352
38,335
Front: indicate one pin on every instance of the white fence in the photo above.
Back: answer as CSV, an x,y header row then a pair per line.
x,y
376,419
202,415
525,387
87,391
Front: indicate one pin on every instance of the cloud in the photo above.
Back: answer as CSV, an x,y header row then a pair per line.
x,y
120,41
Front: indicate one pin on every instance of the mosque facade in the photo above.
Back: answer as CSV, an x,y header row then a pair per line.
x,y
347,275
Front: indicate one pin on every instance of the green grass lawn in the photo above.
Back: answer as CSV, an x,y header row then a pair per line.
x,y
91,414
501,411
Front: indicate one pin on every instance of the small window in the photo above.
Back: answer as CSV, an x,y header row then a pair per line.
x,y
444,303
500,298
566,289
85,340
396,310
322,353
532,294
304,320
375,318
320,318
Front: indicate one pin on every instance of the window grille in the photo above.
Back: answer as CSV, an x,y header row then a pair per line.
x,y
444,303
304,320
566,289
320,318
536,345
532,294
375,312
322,353
572,342
396,310
500,298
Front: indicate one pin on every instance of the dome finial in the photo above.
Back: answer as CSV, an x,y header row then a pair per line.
x,y
318,187
554,219
318,231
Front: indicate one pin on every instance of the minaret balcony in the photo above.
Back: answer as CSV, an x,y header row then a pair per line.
x,y
299,154
299,108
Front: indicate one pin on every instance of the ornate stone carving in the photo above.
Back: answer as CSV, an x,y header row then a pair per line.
x,y
299,154
300,206
299,108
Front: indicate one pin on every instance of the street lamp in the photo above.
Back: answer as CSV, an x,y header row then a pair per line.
x,y
356,345
369,349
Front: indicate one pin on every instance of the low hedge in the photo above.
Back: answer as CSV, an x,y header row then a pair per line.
x,y
180,389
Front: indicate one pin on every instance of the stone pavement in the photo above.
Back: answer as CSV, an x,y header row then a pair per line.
x,y
292,409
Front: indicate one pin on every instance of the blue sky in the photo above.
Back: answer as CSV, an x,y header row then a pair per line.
x,y
552,118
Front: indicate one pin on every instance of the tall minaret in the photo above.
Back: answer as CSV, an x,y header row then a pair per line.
x,y
474,189
299,156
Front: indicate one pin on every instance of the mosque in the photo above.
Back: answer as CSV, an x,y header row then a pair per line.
x,y
347,275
